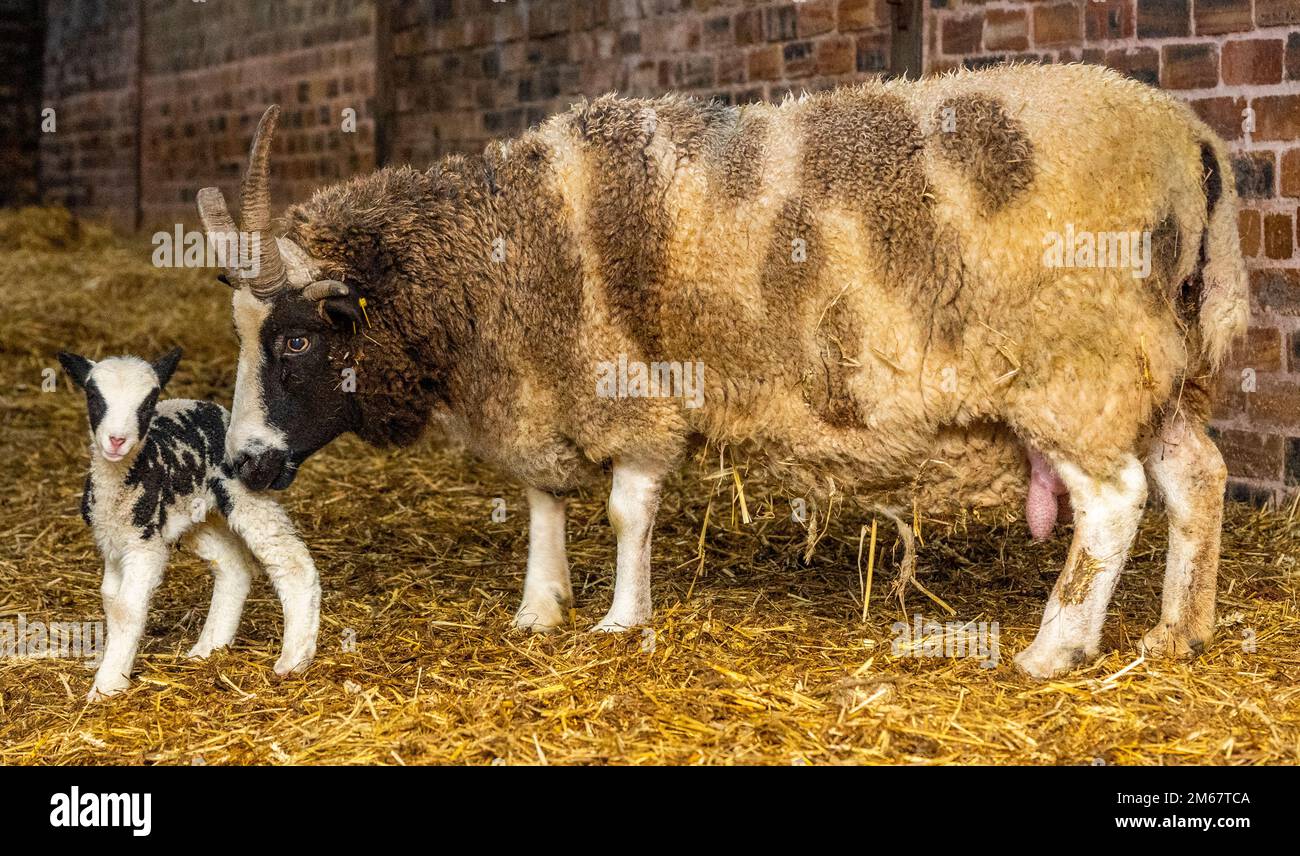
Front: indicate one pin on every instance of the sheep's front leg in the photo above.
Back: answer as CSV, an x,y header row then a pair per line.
x,y
548,592
266,529
1189,472
1107,513
633,501
232,574
126,613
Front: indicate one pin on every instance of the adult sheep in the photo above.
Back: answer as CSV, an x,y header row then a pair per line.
x,y
865,274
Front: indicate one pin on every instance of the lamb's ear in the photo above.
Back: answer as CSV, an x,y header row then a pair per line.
x,y
165,366
77,367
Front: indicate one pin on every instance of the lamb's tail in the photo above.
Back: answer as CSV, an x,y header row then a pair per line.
x,y
1225,290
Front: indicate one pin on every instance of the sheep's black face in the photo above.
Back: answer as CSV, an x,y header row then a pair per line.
x,y
291,398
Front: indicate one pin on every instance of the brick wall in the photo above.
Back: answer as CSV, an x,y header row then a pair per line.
x,y
210,69
22,32
465,72
89,162
1232,60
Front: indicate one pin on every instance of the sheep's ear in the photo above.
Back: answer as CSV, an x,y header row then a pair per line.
x,y
344,313
77,367
165,365
338,303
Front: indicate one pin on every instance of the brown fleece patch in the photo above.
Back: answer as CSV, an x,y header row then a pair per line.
x,y
628,222
736,168
863,151
1076,582
988,145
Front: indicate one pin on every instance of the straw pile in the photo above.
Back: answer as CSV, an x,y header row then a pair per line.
x,y
756,656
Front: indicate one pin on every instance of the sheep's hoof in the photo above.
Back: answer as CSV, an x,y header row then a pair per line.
x,y
1048,661
293,664
202,650
101,691
542,613
620,623
1173,642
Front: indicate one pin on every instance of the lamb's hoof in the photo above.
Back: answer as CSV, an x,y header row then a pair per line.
x,y
543,613
1172,642
293,664
1049,661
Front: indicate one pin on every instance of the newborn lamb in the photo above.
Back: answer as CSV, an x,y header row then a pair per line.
x,y
156,472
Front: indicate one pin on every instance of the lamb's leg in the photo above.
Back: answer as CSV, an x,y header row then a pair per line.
x,y
1107,512
1189,472
548,592
633,502
112,581
126,613
232,574
266,529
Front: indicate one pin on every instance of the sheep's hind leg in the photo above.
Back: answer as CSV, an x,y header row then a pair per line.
x,y
548,592
1189,472
1107,512
232,572
126,613
266,529
633,501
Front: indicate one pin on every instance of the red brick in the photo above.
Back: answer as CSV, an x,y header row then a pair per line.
x,y
1291,173
1270,13
1276,290
749,27
1006,30
1248,231
1162,18
1277,117
873,53
961,35
1222,16
1138,63
1260,349
799,61
863,14
1251,455
1189,66
1293,56
1274,402
1223,114
765,63
1108,19
1058,24
836,56
731,67
816,17
1279,242
1252,61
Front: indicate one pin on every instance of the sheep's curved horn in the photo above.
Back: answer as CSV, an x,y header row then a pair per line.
x,y
219,225
254,215
323,288
255,208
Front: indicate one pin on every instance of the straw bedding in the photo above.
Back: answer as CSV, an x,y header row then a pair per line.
x,y
756,656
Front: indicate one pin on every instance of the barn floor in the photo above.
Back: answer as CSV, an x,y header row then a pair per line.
x,y
755,657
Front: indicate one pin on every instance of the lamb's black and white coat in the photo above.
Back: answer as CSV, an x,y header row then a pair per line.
x,y
157,475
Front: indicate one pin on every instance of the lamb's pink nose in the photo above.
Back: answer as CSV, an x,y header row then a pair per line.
x,y
116,443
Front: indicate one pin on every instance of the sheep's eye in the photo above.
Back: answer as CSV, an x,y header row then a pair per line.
x,y
296,344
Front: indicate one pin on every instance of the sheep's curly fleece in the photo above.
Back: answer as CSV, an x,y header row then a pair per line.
x,y
909,353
